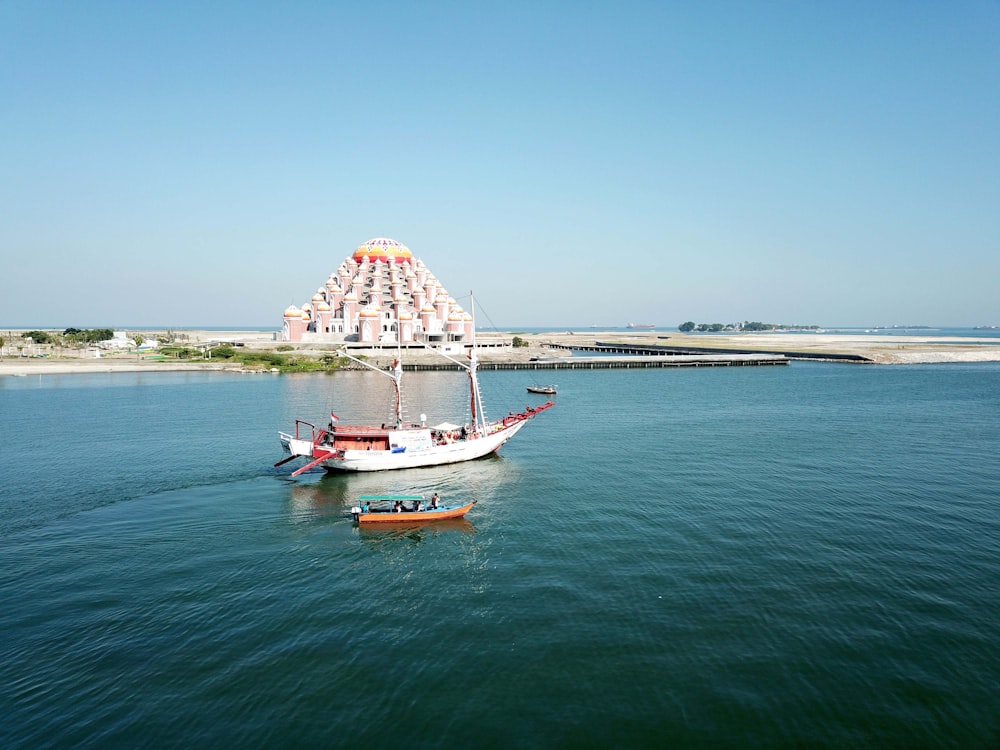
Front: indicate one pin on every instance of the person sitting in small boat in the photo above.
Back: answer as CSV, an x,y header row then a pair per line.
x,y
418,506
366,508
434,501
397,507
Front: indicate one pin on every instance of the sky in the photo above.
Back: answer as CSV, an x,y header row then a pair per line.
x,y
571,163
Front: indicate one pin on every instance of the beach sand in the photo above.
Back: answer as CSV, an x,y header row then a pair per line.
x,y
877,349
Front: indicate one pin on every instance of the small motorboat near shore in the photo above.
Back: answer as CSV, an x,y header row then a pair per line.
x,y
546,389
404,509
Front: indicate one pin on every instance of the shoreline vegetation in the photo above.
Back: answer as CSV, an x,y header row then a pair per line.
x,y
747,326
260,352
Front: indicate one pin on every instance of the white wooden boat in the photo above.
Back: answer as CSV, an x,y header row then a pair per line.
x,y
343,447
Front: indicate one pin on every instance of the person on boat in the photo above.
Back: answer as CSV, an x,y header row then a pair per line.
x,y
419,505
397,507
366,508
434,501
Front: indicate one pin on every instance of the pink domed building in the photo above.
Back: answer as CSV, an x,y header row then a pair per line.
x,y
376,291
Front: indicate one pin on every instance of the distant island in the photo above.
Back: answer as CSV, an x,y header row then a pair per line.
x,y
747,325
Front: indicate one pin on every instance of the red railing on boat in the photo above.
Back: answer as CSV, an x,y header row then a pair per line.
x,y
528,413
313,436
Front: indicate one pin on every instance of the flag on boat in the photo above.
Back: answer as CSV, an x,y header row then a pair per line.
x,y
334,417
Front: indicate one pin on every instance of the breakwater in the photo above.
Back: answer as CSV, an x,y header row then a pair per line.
x,y
631,362
672,351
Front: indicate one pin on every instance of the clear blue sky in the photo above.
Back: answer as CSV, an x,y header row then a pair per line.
x,y
208,164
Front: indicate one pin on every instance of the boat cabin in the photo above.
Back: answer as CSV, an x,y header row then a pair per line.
x,y
389,504
362,438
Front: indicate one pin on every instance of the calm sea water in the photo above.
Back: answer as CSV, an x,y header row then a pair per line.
x,y
804,556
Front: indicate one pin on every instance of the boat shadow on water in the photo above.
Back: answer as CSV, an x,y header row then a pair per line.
x,y
415,532
335,492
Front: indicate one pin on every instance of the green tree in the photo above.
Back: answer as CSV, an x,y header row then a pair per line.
x,y
2,342
39,337
517,342
686,327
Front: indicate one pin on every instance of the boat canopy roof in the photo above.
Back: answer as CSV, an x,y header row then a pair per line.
x,y
382,498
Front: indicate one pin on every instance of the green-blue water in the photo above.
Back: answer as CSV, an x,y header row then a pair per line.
x,y
806,556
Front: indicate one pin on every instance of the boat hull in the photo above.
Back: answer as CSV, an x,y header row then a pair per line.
x,y
412,458
441,514
405,453
326,456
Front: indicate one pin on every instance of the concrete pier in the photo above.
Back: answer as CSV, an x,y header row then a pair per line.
x,y
632,362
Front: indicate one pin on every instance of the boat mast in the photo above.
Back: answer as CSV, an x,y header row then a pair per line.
x,y
476,400
478,416
397,368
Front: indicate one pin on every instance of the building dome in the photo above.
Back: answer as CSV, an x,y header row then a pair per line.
x,y
406,315
322,307
369,312
384,249
292,312
318,297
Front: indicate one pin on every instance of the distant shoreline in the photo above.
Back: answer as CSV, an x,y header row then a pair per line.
x,y
896,349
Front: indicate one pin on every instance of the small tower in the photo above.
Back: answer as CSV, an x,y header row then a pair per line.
x,y
323,314
405,327
428,319
350,312
294,325
456,326
368,325
441,307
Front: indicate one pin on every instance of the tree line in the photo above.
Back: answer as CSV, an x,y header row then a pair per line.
x,y
70,336
747,325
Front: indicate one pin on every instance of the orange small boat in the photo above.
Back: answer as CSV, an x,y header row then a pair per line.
x,y
403,509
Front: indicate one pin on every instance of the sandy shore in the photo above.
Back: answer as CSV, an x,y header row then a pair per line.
x,y
877,349
66,365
